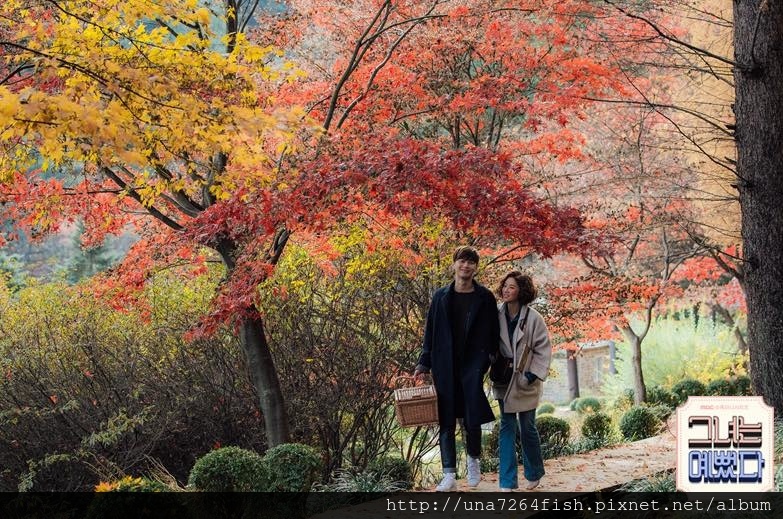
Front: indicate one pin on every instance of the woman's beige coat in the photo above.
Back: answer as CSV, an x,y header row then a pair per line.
x,y
519,395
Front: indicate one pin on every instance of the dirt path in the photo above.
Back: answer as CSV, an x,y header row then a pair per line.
x,y
599,469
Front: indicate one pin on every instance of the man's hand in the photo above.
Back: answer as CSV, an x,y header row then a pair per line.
x,y
419,372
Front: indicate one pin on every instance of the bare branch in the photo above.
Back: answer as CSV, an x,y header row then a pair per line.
x,y
670,38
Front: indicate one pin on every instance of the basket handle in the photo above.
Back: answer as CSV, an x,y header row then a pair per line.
x,y
411,380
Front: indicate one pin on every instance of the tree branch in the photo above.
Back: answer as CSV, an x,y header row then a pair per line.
x,y
133,194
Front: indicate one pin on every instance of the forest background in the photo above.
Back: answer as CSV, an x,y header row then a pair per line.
x,y
222,222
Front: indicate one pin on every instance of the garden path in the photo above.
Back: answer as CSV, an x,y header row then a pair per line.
x,y
599,469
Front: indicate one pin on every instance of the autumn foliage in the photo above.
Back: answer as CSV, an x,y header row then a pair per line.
x,y
216,142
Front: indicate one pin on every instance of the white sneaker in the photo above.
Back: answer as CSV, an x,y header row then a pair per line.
x,y
504,489
448,483
532,484
474,472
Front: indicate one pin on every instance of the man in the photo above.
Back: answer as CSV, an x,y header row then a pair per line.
x,y
462,332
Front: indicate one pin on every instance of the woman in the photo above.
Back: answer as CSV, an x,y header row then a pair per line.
x,y
525,340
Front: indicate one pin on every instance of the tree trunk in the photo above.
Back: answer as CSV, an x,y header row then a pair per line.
x,y
639,390
758,76
260,364
264,375
573,376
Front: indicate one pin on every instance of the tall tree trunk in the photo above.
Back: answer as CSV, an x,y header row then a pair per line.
x,y
758,76
639,389
260,364
573,376
264,375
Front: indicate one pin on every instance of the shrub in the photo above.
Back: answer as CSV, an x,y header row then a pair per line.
x,y
638,422
398,470
293,467
355,406
588,404
346,487
364,481
573,404
130,504
688,387
100,383
545,408
658,395
661,483
230,469
720,387
742,386
131,484
597,428
554,433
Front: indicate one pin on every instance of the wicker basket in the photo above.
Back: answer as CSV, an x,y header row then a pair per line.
x,y
416,405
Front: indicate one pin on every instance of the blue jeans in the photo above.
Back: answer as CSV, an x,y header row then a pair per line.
x,y
448,445
531,447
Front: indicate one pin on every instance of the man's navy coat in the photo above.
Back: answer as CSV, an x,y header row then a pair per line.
x,y
482,338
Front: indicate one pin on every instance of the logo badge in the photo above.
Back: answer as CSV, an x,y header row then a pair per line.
x,y
725,444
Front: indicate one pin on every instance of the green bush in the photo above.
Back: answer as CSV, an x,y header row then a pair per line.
x,y
742,386
574,403
397,470
554,433
658,395
597,428
688,387
545,408
230,469
588,404
720,387
638,422
293,467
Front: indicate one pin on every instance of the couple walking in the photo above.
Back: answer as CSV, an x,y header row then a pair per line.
x,y
465,332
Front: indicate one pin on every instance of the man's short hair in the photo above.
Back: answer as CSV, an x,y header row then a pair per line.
x,y
466,253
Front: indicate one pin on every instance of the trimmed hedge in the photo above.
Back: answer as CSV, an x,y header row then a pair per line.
x,y
597,428
658,395
588,404
230,469
638,423
554,433
688,387
293,467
